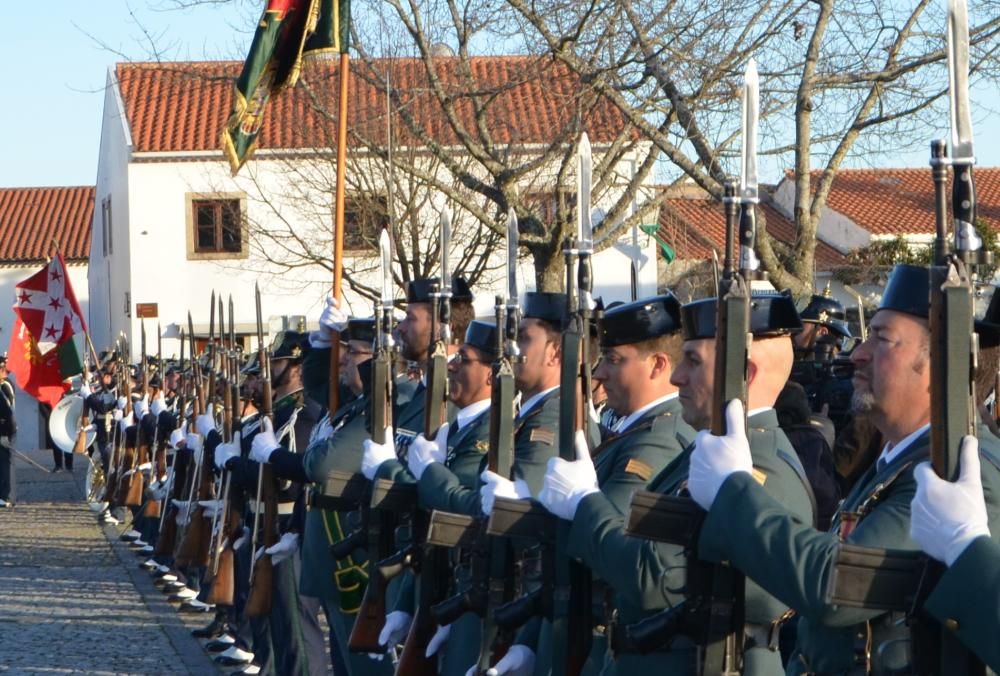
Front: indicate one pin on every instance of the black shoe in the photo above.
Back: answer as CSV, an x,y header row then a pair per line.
x,y
220,644
213,629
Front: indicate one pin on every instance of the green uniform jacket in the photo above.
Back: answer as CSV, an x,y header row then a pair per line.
x,y
454,485
536,439
648,576
624,463
627,462
341,451
969,595
793,561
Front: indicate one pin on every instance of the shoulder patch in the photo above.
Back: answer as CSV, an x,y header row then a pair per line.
x,y
543,436
758,476
483,445
640,469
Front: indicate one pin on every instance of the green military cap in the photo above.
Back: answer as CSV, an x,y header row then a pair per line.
x,y
290,345
771,314
482,336
641,320
908,291
252,365
419,290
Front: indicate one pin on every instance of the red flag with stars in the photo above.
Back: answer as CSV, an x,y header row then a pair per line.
x,y
40,376
46,305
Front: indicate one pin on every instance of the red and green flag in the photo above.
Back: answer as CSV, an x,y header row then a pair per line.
x,y
42,353
43,376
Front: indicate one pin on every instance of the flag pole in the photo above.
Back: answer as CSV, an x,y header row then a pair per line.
x,y
338,229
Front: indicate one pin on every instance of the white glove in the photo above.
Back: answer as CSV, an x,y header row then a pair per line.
x,y
242,539
397,626
117,415
376,454
225,452
567,483
177,437
211,508
126,422
423,453
283,548
85,390
158,406
332,317
182,510
946,517
204,424
120,404
264,443
715,458
145,467
496,486
519,661
141,407
439,638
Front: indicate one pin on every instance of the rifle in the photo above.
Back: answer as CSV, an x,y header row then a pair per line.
x,y
167,538
226,531
953,350
262,569
431,563
354,489
490,585
194,546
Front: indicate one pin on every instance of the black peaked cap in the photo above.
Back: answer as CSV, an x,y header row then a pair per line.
x,y
482,336
419,290
641,320
771,314
550,307
908,291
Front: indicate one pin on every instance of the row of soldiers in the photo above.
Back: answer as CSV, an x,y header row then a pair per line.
x,y
271,478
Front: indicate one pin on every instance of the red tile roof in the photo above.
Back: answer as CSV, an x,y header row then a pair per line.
x,y
694,226
32,218
183,106
901,201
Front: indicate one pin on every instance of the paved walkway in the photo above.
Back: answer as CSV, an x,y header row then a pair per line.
x,y
72,599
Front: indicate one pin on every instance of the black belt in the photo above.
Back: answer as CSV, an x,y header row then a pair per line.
x,y
619,642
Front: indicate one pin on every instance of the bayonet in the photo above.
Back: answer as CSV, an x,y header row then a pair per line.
x,y
385,258
748,196
512,244
584,174
958,81
963,201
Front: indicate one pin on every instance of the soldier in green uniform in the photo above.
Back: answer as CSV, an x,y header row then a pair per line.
x,y
415,345
639,343
447,471
793,561
335,443
386,461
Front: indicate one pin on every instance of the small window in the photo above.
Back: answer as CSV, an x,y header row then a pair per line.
x,y
218,226
365,215
107,243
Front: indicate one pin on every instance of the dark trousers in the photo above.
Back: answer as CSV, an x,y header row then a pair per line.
x,y
62,459
7,491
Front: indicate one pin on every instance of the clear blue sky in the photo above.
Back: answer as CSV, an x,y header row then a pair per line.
x,y
55,72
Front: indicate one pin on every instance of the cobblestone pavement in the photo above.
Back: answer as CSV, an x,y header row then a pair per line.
x,y
72,599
